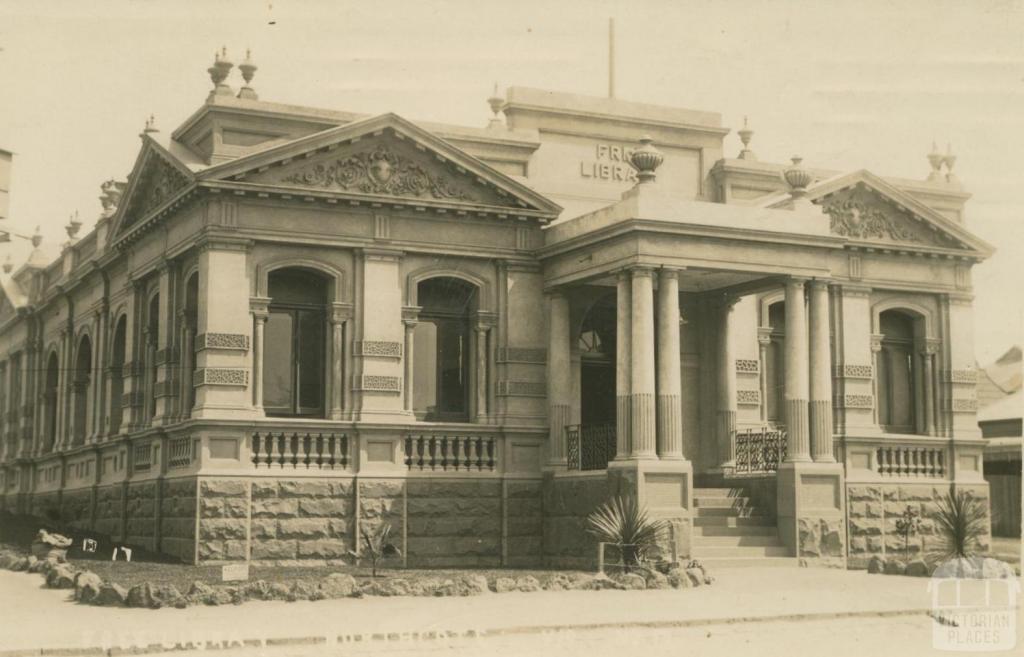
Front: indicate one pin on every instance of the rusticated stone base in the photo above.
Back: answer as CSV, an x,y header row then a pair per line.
x,y
567,502
110,511
76,508
524,523
141,514
223,520
178,518
453,523
874,510
299,520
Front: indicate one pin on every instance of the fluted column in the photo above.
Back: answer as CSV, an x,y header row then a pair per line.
x,y
337,370
670,412
821,374
481,372
623,348
931,347
559,377
260,313
410,330
726,388
876,369
643,425
796,372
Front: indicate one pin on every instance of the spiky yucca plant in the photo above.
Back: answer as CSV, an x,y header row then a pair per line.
x,y
622,522
960,525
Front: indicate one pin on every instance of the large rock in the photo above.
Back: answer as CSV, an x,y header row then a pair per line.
x,y
203,593
338,585
49,545
656,580
111,595
21,564
61,577
87,586
631,581
527,584
917,568
150,596
473,585
876,565
504,585
895,567
599,582
696,576
678,579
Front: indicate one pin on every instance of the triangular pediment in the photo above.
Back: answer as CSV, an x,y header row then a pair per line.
x,y
865,208
156,178
388,158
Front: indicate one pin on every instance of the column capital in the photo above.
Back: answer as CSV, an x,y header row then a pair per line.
x,y
411,315
819,283
764,335
341,312
930,346
796,281
259,306
876,342
669,272
641,271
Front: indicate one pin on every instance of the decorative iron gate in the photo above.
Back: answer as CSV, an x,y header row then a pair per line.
x,y
759,450
590,446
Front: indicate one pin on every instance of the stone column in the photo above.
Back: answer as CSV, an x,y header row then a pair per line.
x,y
726,386
482,410
764,340
337,387
63,389
623,346
559,377
410,330
821,374
643,418
931,347
163,356
670,419
796,372
260,313
99,387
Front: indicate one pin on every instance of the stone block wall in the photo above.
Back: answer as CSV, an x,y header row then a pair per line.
x,y
453,523
223,519
874,509
524,523
301,520
45,505
110,511
141,514
382,500
178,518
820,540
567,501
76,508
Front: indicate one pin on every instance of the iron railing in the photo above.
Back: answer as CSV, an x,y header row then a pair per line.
x,y
759,450
589,446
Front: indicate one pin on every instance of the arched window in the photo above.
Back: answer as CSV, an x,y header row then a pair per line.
x,y
151,338
775,363
117,357
441,344
80,385
896,373
188,355
296,337
51,384
597,363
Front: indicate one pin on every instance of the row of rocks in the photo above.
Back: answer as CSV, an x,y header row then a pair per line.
x,y
970,568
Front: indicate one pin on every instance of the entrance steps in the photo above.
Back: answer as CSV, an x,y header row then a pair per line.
x,y
729,531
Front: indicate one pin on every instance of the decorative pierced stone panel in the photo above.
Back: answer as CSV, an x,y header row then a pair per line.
x,y
962,376
858,401
379,349
522,355
748,397
522,389
377,383
220,376
746,366
234,341
855,371
965,405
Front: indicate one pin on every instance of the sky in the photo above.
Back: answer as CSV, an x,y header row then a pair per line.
x,y
846,85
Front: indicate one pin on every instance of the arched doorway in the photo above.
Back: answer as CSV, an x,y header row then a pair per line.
x,y
52,382
117,356
441,342
294,363
597,363
81,384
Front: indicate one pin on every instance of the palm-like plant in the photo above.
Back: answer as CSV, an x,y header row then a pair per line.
x,y
960,521
622,522
376,545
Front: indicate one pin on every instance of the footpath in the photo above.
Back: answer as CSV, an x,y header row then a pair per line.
x,y
39,621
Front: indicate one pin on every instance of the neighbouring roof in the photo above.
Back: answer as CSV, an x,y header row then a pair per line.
x,y
1009,407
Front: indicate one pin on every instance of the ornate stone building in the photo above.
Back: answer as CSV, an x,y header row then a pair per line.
x,y
292,323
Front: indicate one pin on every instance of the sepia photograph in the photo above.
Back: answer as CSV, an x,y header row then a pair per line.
x,y
606,328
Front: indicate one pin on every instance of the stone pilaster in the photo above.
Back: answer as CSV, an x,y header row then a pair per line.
x,y
380,375
796,373
670,420
725,428
260,313
764,340
643,422
821,374
623,347
164,358
341,313
559,378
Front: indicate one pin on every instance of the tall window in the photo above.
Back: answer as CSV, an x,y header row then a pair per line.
x,y
117,375
441,345
80,385
151,338
775,363
52,382
188,356
295,338
597,363
896,398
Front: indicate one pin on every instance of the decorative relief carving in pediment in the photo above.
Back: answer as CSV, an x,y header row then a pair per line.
x,y
859,215
160,181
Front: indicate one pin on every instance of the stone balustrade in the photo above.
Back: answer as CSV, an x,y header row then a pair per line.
x,y
300,450
890,458
454,452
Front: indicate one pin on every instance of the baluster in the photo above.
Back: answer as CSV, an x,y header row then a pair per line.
x,y
929,458
478,447
883,463
255,449
278,455
466,462
318,450
455,446
307,449
490,453
408,452
344,450
419,452
941,454
331,450
433,452
919,461
445,456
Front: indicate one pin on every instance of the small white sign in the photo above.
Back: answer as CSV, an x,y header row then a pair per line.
x,y
235,572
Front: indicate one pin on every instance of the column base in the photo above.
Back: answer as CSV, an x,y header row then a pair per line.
x,y
665,489
811,511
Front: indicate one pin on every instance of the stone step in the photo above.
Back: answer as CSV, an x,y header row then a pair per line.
x,y
766,540
714,563
739,512
701,552
732,521
735,530
707,501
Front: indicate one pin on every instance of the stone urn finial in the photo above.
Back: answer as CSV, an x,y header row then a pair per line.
x,y
949,160
798,178
74,225
646,160
496,102
935,160
745,134
219,73
248,69
37,238
150,125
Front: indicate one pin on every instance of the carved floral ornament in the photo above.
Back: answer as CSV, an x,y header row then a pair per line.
x,y
379,171
859,220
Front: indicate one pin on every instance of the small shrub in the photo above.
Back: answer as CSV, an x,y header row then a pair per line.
x,y
377,545
907,525
622,522
960,524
